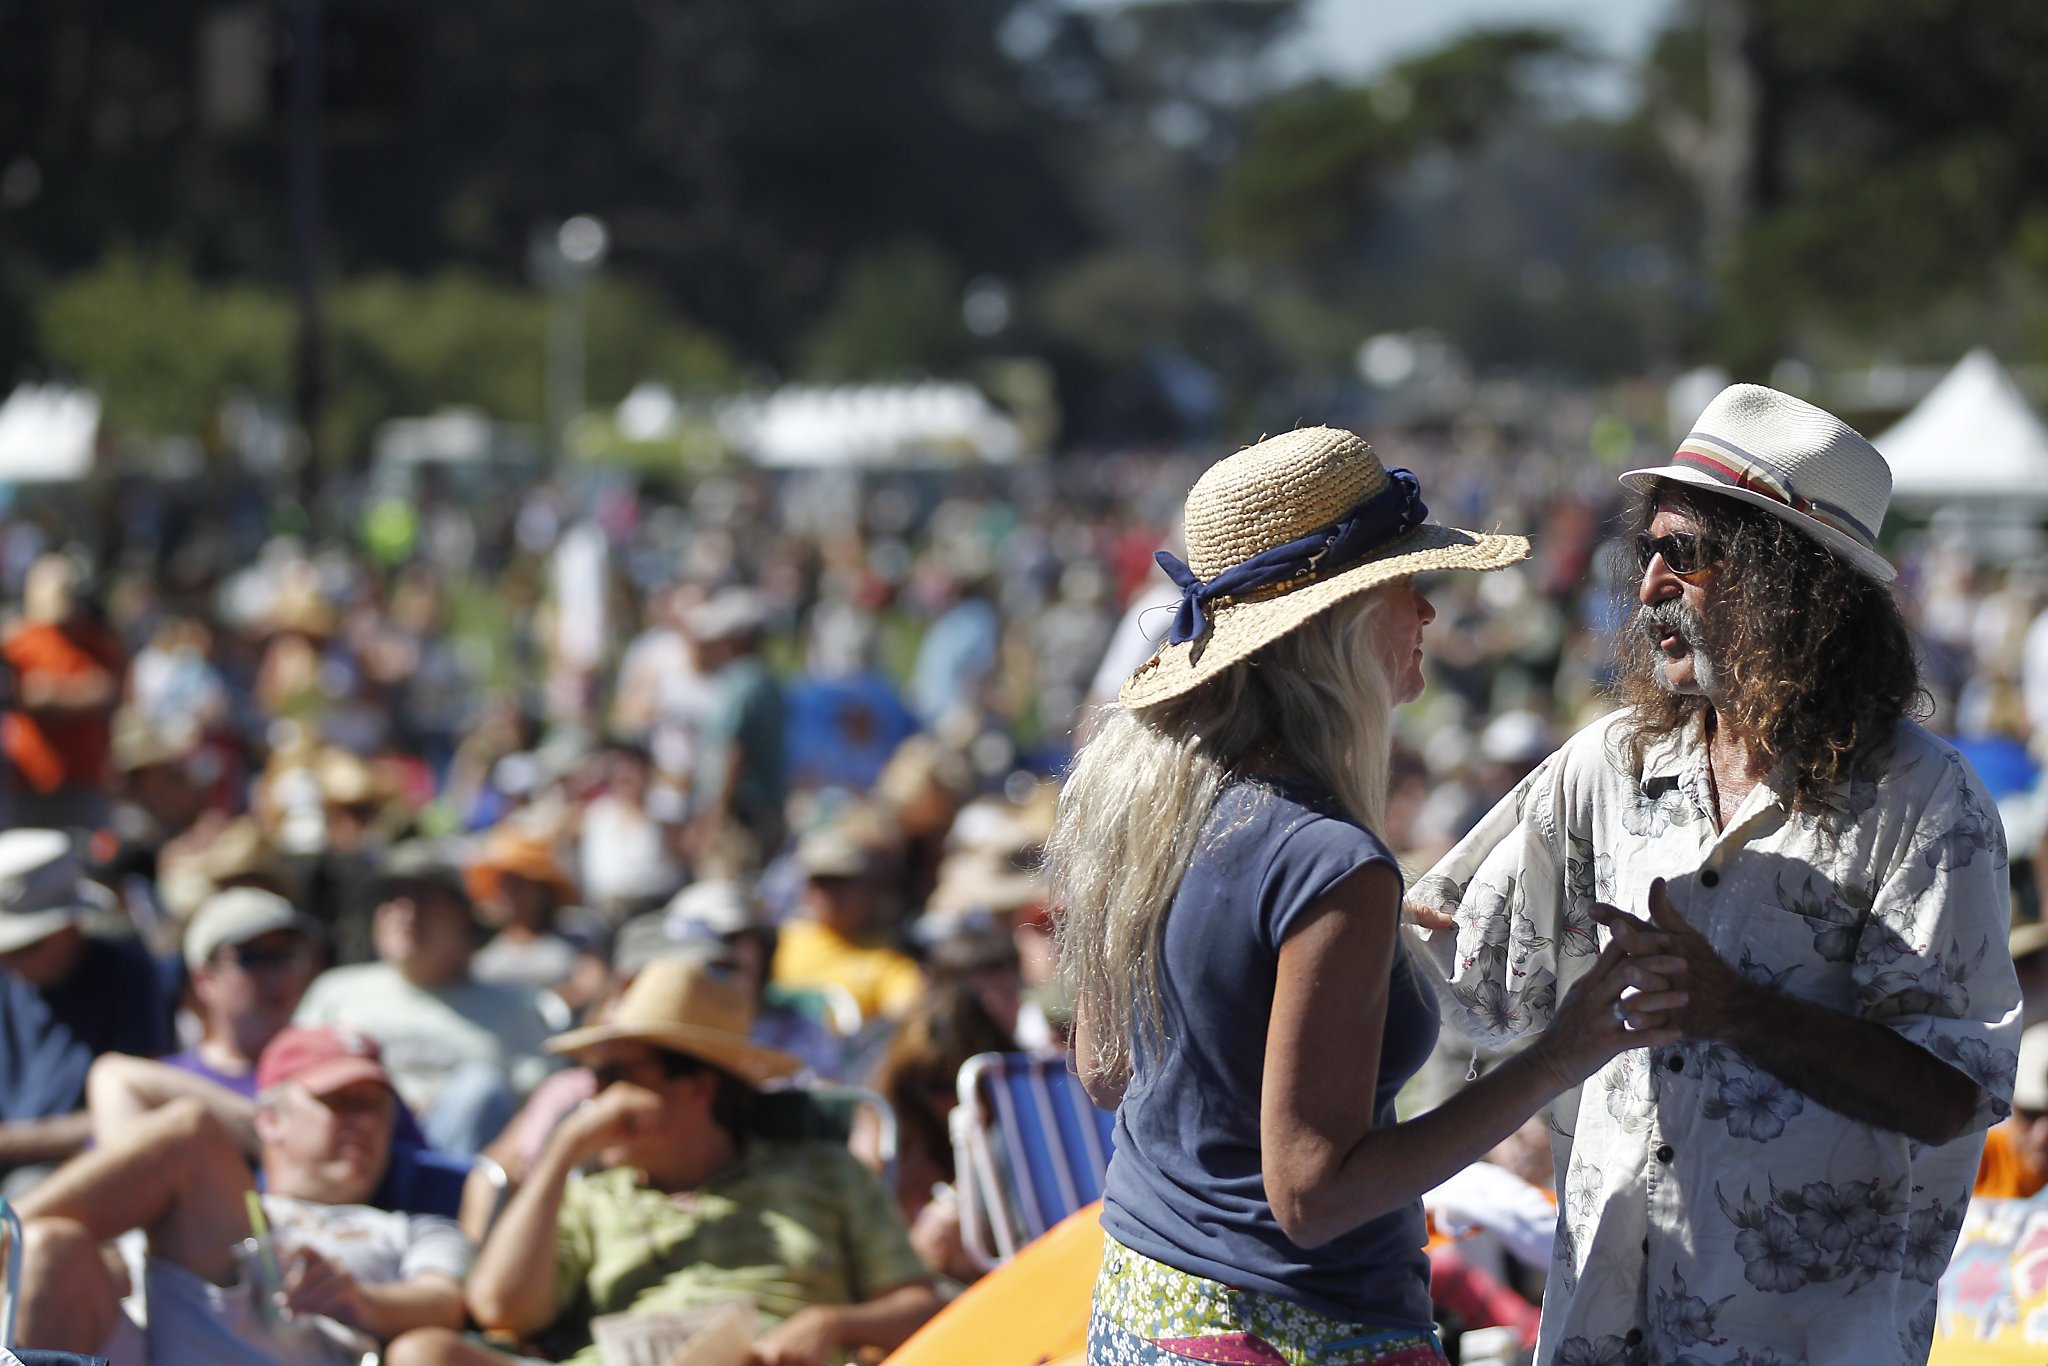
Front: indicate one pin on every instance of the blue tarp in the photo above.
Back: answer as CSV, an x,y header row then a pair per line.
x,y
841,731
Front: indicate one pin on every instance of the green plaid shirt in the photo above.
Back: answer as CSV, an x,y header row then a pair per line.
x,y
790,1224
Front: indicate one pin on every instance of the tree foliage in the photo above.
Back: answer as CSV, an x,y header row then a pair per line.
x,y
1894,163
802,187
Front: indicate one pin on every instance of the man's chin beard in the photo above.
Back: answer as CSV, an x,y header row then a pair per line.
x,y
1706,675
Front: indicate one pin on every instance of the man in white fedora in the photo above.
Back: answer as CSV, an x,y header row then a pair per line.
x,y
1786,1182
688,1207
66,997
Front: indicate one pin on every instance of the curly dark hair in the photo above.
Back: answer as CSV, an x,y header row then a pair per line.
x,y
1819,660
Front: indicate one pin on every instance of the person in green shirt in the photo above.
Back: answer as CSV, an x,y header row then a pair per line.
x,y
687,1207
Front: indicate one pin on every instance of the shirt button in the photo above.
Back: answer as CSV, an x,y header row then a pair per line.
x,y
1646,1247
1635,1335
1664,1153
1709,878
1676,1062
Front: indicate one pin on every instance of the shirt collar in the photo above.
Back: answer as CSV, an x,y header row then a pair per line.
x,y
1673,759
1668,758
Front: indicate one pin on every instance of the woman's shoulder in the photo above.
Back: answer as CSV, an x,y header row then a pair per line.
x,y
1295,819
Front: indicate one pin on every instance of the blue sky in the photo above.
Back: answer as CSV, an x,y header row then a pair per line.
x,y
1360,37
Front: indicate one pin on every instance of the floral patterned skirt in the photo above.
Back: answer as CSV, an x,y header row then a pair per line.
x,y
1147,1314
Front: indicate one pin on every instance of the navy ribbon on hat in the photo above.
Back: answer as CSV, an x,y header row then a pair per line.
x,y
1393,511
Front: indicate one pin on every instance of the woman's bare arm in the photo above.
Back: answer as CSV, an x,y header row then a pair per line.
x,y
1327,1169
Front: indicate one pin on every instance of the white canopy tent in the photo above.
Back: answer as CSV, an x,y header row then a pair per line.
x,y
876,425
1974,439
48,434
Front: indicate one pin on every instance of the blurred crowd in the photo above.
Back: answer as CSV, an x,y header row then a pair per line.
x,y
450,764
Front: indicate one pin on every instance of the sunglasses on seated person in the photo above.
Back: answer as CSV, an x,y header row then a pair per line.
x,y
1685,553
672,1065
281,958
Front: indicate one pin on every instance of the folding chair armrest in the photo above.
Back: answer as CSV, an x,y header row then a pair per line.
x,y
10,1224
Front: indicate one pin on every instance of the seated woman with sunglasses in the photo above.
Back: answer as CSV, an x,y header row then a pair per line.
x,y
687,1206
1229,931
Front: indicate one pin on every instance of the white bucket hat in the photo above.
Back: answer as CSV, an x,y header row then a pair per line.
x,y
237,916
1793,460
1283,530
42,887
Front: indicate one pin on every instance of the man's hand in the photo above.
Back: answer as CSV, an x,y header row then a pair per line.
x,y
1596,1020
936,1236
808,1337
620,1112
1720,998
314,1285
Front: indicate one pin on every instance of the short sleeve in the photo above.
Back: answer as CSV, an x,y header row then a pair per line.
x,y
435,1246
574,1246
317,1006
879,1251
900,986
1314,857
1931,961
1522,909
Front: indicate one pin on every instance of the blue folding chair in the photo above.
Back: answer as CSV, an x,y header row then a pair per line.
x,y
422,1181
1029,1149
10,1222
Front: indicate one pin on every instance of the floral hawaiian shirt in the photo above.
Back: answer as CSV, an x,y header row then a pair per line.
x,y
1710,1214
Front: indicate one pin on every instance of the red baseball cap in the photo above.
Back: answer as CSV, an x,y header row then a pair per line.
x,y
321,1059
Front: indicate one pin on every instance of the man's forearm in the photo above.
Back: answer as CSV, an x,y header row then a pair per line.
x,y
512,1285
887,1319
429,1301
120,1090
53,1139
1857,1068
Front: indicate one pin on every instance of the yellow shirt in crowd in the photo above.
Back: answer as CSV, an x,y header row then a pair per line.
x,y
882,980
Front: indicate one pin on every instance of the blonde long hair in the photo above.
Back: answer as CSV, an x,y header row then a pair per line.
x,y
1316,702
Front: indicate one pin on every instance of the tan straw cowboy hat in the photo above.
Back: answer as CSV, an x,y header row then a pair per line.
x,y
686,1007
1283,530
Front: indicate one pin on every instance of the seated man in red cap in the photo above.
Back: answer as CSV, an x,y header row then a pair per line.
x,y
689,1208
337,1277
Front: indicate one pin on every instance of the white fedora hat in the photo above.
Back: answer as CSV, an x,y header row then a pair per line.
x,y
1793,460
42,887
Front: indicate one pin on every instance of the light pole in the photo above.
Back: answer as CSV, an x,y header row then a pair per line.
x,y
309,390
565,263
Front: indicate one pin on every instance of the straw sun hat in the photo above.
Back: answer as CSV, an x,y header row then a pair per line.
x,y
1283,530
686,1007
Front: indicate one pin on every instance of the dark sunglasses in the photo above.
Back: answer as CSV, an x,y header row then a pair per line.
x,y
266,960
669,1063
1685,553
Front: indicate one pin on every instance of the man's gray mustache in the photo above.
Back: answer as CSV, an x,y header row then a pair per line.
x,y
1668,617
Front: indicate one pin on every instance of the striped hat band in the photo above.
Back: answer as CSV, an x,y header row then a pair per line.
x,y
1731,465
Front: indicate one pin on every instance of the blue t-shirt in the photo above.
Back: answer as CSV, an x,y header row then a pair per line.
x,y
1185,1186
48,1038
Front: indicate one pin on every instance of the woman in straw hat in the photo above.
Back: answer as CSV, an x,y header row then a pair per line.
x,y
1228,930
